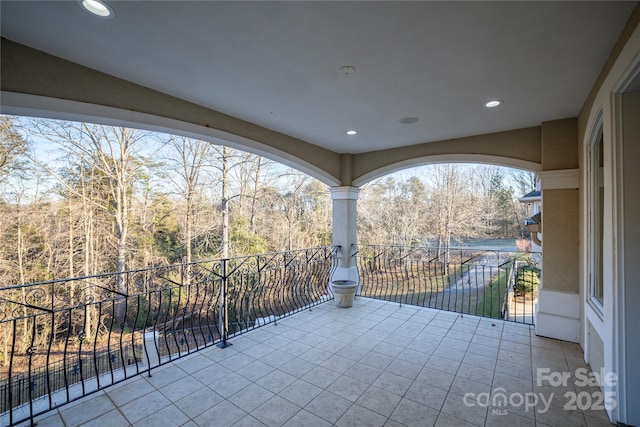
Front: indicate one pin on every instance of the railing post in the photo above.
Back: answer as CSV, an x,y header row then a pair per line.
x,y
224,295
182,275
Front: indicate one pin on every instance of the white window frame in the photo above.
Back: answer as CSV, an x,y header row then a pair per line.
x,y
595,209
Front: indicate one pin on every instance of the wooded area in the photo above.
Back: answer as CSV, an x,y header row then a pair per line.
x,y
79,199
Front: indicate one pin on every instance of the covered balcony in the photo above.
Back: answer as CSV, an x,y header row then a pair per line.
x,y
261,341
345,92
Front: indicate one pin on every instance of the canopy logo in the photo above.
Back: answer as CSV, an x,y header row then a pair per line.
x,y
583,378
500,400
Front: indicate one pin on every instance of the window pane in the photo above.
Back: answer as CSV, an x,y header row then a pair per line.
x,y
597,221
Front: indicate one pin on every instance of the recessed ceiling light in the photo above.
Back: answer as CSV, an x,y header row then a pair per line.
x,y
97,7
352,132
493,103
408,120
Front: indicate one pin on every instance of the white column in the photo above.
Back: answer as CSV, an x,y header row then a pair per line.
x,y
345,215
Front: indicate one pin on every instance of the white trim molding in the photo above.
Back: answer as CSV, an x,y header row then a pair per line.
x,y
344,193
558,315
559,179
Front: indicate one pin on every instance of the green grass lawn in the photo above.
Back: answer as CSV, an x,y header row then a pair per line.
x,y
490,303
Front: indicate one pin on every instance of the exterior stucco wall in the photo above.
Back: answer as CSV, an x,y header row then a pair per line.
x,y
631,271
560,239
558,310
560,206
516,148
610,329
560,144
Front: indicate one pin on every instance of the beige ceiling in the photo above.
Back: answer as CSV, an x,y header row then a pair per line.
x,y
277,64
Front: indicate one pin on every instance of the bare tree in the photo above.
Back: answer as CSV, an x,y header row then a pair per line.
x,y
292,205
525,180
230,164
190,164
106,163
253,174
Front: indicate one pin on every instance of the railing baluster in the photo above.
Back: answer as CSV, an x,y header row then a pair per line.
x,y
11,359
175,302
467,281
224,303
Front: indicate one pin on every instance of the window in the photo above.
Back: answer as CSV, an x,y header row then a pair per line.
x,y
596,218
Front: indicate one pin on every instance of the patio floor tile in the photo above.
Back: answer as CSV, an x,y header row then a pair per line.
x,y
375,364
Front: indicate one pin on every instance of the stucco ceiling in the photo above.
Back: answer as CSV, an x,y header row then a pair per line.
x,y
277,64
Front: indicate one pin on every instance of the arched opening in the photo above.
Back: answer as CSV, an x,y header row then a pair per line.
x,y
113,252
81,199
240,135
450,236
493,160
446,204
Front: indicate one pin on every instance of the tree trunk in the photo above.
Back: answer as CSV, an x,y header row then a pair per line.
x,y
71,246
224,206
20,253
188,237
254,197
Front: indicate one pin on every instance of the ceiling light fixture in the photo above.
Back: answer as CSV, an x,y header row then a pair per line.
x,y
347,69
97,8
351,132
493,103
409,120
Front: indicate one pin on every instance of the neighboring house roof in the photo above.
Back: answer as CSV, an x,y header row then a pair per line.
x,y
531,197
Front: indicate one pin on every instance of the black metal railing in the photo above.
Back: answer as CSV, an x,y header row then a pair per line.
x,y
482,282
64,339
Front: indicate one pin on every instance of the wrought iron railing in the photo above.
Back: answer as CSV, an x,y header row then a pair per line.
x,y
482,282
64,339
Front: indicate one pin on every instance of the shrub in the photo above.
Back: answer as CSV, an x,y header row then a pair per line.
x,y
528,279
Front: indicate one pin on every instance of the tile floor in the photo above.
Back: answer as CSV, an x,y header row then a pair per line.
x,y
375,364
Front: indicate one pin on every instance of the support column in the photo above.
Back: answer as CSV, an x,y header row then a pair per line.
x,y
558,310
345,216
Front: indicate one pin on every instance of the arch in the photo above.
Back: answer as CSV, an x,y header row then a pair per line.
x,y
73,92
447,158
519,148
54,108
